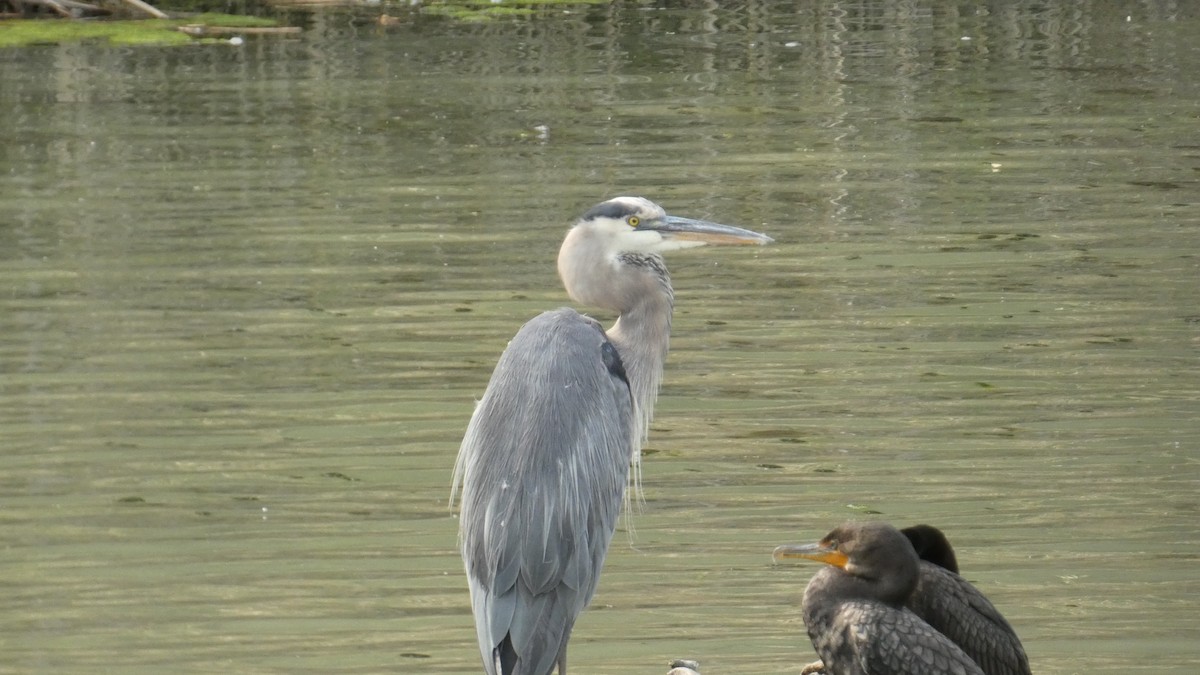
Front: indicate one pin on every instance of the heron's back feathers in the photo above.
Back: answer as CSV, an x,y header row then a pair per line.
x,y
540,497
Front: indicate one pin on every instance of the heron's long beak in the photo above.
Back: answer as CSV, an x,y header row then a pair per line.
x,y
817,552
688,229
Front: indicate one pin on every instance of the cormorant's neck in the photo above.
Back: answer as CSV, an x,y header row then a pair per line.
x,y
893,588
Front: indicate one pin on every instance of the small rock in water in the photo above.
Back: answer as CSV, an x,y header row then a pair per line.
x,y
684,667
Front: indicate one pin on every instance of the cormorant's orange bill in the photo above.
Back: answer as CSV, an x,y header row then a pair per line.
x,y
818,552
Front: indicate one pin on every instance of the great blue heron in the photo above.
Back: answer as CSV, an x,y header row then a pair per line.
x,y
879,609
546,457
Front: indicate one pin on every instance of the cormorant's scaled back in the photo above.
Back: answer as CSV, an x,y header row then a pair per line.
x,y
956,609
546,458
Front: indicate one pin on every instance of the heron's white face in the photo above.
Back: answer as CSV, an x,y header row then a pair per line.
x,y
591,260
632,225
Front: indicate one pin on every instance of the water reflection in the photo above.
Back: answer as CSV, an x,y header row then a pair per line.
x,y
252,293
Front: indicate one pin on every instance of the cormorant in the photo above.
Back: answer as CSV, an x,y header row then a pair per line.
x,y
932,546
879,610
958,610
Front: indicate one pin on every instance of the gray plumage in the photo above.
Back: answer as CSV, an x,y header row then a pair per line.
x,y
546,458
534,567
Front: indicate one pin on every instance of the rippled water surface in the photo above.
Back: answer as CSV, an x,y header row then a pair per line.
x,y
250,294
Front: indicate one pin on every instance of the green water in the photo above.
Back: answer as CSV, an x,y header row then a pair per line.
x,y
248,296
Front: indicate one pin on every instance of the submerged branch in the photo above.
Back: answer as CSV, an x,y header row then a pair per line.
x,y
147,8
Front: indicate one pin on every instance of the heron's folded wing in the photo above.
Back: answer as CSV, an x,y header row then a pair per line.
x,y
544,466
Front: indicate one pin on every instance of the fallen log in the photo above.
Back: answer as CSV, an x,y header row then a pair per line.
x,y
147,8
200,30
52,5
84,7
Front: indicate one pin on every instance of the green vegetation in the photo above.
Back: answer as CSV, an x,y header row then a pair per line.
x,y
461,13
487,10
166,32
227,20
161,32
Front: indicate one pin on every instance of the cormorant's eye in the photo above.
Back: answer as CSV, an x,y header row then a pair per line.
x,y
633,221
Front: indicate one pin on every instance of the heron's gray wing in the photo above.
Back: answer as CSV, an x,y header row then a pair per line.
x,y
871,638
544,465
959,611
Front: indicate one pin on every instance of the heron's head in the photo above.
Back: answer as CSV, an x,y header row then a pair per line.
x,y
610,258
638,225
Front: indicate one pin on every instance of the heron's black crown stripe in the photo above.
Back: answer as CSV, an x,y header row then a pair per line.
x,y
610,209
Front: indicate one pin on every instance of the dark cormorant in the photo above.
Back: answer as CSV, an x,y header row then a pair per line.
x,y
958,610
932,546
856,614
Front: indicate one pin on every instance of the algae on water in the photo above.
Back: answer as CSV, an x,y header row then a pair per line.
x,y
161,32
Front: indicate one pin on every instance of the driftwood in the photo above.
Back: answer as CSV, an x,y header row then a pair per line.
x,y
200,30
147,8
68,8
54,6
83,7
74,9
325,3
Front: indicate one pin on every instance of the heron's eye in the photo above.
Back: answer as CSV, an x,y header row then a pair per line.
x,y
633,221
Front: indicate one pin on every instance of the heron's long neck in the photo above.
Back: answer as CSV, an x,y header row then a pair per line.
x,y
642,334
639,288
